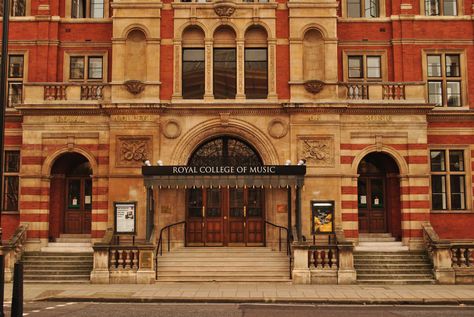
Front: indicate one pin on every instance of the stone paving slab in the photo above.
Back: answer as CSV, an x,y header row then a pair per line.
x,y
251,292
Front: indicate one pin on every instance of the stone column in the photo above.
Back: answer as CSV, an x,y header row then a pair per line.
x,y
240,70
443,270
301,273
146,268
100,273
272,69
177,88
209,89
346,273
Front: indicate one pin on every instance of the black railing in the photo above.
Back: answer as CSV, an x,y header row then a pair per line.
x,y
159,246
288,240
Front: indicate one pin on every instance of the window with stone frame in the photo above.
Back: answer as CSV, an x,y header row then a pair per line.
x,y
16,73
362,8
17,8
364,67
11,180
448,179
193,73
444,79
86,68
441,7
94,9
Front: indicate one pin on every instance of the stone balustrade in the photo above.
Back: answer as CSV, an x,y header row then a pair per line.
x,y
119,264
13,250
60,93
387,92
324,264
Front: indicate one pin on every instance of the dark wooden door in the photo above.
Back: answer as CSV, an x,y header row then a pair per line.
x,y
372,205
217,217
204,217
78,207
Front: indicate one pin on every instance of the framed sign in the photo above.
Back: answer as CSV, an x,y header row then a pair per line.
x,y
322,217
125,217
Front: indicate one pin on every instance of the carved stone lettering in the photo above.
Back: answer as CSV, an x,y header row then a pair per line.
x,y
70,119
378,117
131,151
318,151
132,118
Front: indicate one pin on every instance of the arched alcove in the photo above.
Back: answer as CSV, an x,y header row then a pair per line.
x,y
313,55
378,198
70,195
136,56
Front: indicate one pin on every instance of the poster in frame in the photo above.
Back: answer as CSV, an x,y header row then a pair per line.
x,y
125,217
322,217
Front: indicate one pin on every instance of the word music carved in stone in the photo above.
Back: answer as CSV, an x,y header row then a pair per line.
x,y
133,151
317,151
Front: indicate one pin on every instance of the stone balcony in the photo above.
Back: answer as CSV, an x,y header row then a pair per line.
x,y
350,93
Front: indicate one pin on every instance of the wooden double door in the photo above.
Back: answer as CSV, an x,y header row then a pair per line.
x,y
225,217
372,204
78,207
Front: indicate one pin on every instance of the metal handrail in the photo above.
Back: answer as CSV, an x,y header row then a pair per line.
x,y
288,241
159,246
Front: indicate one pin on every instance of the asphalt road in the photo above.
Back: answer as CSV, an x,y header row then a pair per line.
x,y
53,309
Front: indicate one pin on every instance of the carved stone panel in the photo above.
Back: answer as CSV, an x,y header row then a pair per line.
x,y
277,128
316,150
132,150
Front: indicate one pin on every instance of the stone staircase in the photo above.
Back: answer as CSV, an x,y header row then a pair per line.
x,y
68,260
221,264
389,262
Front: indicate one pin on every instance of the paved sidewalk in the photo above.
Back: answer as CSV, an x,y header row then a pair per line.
x,y
252,292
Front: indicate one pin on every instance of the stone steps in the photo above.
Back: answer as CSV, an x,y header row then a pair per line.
x,y
388,263
232,264
58,267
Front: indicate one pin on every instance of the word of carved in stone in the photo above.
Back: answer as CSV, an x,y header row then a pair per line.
x,y
313,86
134,150
134,86
318,151
224,9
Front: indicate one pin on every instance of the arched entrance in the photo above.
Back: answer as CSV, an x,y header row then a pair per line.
x,y
70,196
378,188
225,216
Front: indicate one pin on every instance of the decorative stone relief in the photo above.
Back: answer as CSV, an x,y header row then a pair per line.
x,y
313,86
134,86
317,150
277,128
224,9
131,151
225,117
171,129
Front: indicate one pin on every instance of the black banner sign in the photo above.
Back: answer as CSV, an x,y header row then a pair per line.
x,y
224,170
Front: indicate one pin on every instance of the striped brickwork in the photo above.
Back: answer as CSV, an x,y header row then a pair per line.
x,y
39,152
410,153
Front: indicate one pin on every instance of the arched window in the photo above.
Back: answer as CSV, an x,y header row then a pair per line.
x,y
225,151
135,61
256,63
313,55
193,70
225,63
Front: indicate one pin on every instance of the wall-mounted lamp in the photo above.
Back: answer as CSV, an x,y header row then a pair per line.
x,y
159,163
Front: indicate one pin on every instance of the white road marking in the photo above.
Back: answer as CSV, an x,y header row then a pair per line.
x,y
50,307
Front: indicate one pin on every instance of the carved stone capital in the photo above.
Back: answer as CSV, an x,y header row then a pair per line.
x,y
134,86
314,86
